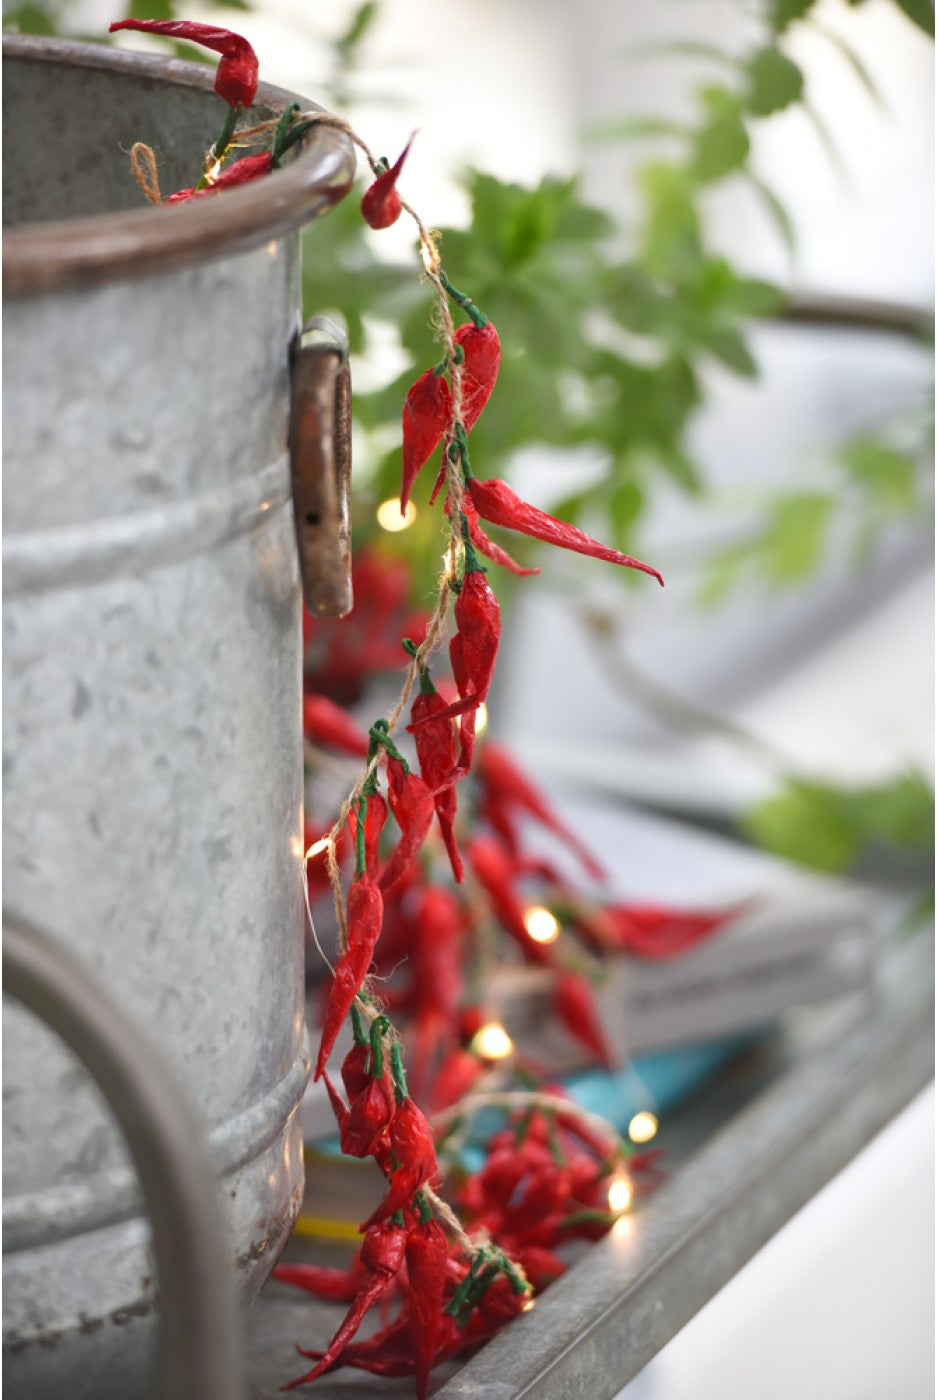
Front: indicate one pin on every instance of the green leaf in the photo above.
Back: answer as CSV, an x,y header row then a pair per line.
x,y
900,813
671,235
795,535
783,12
774,82
920,12
33,19
721,145
807,822
721,574
358,26
625,504
731,350
888,475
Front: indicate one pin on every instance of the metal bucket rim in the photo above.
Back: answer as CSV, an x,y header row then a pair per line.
x,y
123,244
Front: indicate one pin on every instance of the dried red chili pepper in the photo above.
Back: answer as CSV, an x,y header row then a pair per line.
x,y
496,502
382,1255
411,801
428,408
364,915
372,1107
652,931
236,77
541,1265
325,722
486,546
381,203
576,1006
426,1254
457,1074
482,354
493,869
472,653
435,742
241,172
338,1285
411,1145
376,814
508,786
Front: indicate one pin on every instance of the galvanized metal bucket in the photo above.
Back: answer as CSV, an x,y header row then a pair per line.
x,y
151,675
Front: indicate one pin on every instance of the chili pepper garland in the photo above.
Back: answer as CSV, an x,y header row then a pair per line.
x,y
459,1290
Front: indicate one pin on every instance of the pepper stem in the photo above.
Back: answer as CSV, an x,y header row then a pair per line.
x,y
472,559
222,142
478,318
426,683
358,1027
397,1071
378,1028
380,738
361,808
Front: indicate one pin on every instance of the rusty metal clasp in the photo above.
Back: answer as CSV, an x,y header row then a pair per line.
x,y
320,460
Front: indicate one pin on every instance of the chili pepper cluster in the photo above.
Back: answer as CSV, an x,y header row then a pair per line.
x,y
545,1178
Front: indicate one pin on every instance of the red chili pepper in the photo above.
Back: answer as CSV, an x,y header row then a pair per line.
x,y
493,870
382,1254
373,1107
411,1145
376,814
427,411
651,931
241,172
325,722
338,1285
364,914
486,546
576,1007
236,78
496,502
411,802
381,203
542,1266
427,1252
472,654
508,786
456,1075
482,353
435,742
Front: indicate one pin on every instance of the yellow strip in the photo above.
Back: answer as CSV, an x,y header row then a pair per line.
x,y
320,1227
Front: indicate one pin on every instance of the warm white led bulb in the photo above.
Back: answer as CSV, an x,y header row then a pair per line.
x,y
482,718
541,924
620,1194
643,1126
492,1042
317,848
389,515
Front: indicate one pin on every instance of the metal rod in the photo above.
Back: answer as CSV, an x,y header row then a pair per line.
x,y
199,1358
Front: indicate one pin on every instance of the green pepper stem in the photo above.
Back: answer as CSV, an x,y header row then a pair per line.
x,y
477,317
378,1028
358,1028
361,808
397,1072
222,141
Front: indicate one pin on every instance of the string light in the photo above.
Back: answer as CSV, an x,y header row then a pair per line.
x,y
492,1042
529,1306
643,1126
541,924
620,1194
317,848
482,718
388,515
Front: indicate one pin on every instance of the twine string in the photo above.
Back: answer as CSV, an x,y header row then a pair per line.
x,y
143,165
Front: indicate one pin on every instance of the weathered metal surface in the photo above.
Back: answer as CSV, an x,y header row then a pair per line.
x,y
151,704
